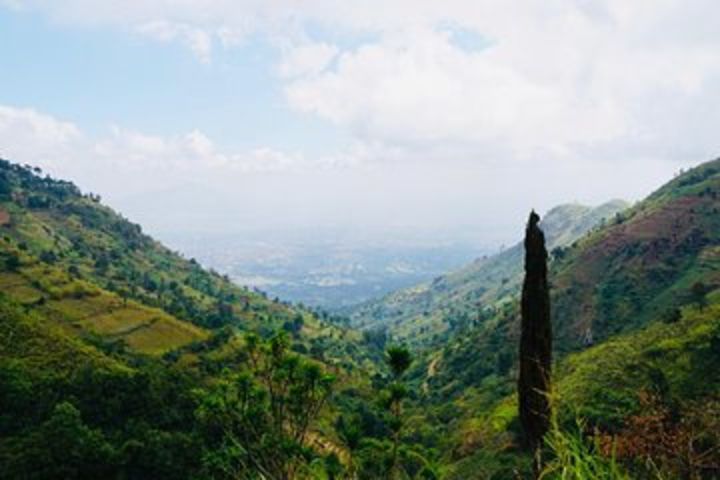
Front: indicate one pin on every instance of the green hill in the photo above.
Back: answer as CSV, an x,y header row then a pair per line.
x,y
649,398
424,313
635,306
70,259
636,268
111,345
121,359
639,267
644,264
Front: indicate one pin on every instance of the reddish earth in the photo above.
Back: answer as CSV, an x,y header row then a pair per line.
x,y
4,217
651,235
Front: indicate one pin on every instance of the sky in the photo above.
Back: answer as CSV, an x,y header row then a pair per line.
x,y
373,116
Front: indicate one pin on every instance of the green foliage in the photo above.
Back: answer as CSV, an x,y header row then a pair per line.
x,y
61,447
120,359
257,421
398,359
12,261
699,293
70,412
378,459
574,457
677,360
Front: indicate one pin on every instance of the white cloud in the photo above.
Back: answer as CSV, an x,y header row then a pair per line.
x,y
27,125
596,97
562,82
34,137
127,158
196,39
307,59
186,156
561,75
419,88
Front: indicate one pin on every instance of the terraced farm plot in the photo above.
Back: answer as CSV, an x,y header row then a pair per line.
x,y
9,279
19,288
121,321
23,293
162,334
144,329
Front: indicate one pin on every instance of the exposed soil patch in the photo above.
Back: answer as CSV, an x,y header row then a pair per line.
x,y
676,230
4,217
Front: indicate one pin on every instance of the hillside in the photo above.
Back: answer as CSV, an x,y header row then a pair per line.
x,y
423,313
121,359
644,264
75,262
112,346
637,268
634,309
648,398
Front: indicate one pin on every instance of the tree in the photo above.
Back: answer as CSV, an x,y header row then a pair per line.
x,y
398,359
699,292
258,421
535,342
5,186
349,432
63,447
376,337
12,261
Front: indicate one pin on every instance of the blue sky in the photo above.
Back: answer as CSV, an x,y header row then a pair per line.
x,y
99,77
448,116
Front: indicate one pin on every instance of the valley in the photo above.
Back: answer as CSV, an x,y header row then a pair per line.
x,y
377,240
341,271
143,361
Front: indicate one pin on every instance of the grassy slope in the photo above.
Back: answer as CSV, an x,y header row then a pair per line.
x,y
82,309
52,219
416,314
681,358
617,278
84,289
601,385
30,343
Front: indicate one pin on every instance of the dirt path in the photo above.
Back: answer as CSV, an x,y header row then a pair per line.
x,y
431,370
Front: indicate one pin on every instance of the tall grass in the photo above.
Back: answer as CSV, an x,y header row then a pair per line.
x,y
575,457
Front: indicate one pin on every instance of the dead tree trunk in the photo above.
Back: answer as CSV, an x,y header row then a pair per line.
x,y
535,343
